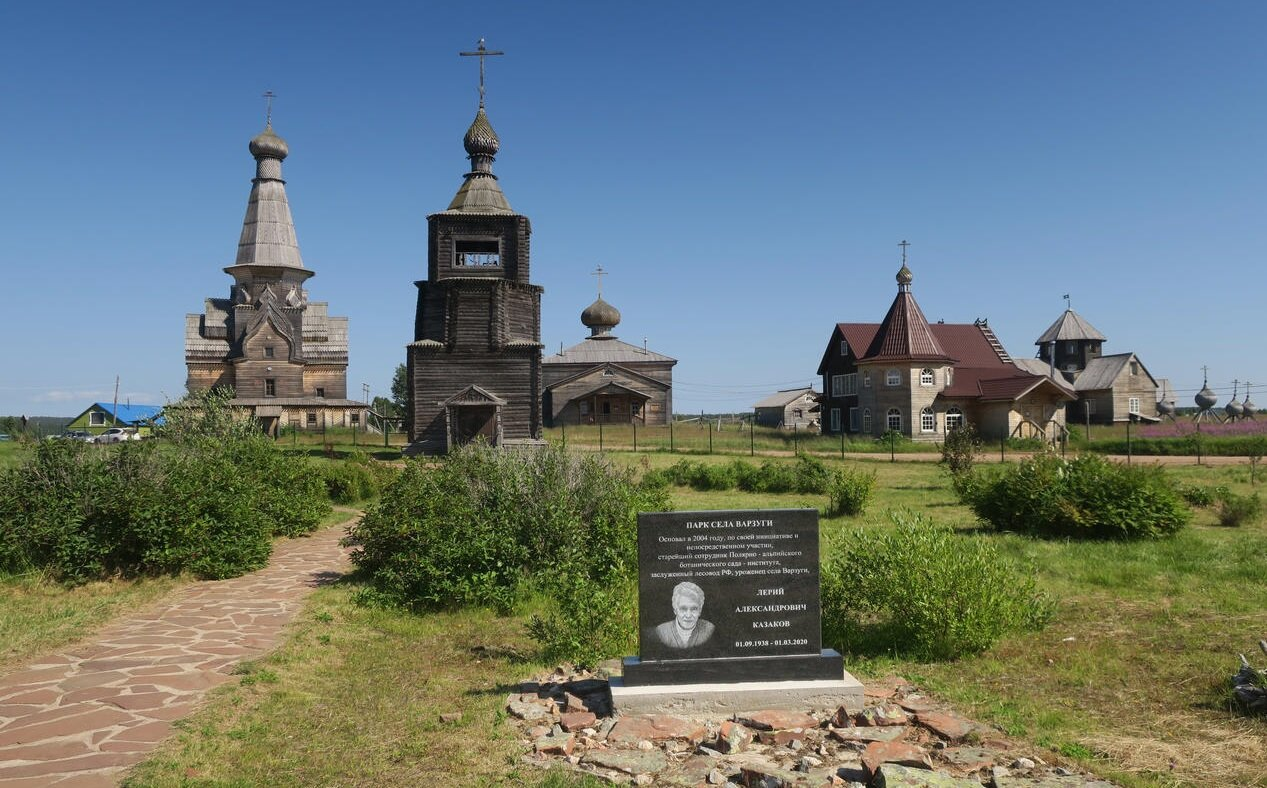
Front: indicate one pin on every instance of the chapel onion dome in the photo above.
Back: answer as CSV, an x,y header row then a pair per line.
x,y
600,318
1205,398
904,276
269,146
1234,409
1165,407
480,139
1248,409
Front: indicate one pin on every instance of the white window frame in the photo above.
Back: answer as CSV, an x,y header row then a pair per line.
x,y
927,377
1132,405
927,420
853,420
893,420
838,385
866,379
835,419
892,377
953,419
866,421
844,347
96,419
851,384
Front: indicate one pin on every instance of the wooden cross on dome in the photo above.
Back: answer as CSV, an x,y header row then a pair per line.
x,y
481,52
268,112
904,244
600,273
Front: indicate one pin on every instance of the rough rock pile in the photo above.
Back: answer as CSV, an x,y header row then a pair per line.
x,y
900,738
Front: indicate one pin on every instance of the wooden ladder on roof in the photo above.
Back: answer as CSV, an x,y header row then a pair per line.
x,y
988,333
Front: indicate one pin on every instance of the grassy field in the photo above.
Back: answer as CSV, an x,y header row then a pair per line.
x,y
1129,677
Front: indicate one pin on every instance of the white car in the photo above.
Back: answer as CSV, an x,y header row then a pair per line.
x,y
118,435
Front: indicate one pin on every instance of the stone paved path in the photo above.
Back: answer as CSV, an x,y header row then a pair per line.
x,y
79,718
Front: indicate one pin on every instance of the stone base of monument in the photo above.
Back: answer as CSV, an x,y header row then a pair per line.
x,y
735,685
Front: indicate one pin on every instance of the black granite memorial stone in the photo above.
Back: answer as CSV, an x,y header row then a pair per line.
x,y
727,596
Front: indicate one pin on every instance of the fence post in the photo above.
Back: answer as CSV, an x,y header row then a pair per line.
x,y
600,436
564,426
1128,440
892,445
1002,449
752,438
842,441
796,441
670,433
708,425
635,436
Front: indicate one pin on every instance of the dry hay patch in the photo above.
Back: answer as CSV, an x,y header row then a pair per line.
x,y
1191,750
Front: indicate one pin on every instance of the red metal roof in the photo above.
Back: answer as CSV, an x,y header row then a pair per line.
x,y
904,334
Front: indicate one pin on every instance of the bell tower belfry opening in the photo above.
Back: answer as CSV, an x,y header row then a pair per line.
x,y
475,362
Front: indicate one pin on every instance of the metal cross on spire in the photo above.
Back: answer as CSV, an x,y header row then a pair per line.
x,y
268,113
600,273
481,52
1205,376
904,244
1068,303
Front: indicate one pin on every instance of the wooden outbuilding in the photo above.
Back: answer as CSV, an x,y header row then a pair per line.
x,y
790,409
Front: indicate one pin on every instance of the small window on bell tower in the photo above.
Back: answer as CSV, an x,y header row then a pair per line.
x,y
477,254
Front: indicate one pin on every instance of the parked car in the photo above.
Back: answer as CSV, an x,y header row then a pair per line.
x,y
118,435
75,435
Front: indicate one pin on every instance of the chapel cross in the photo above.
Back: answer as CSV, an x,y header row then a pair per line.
x,y
904,244
268,117
1068,303
482,53
600,273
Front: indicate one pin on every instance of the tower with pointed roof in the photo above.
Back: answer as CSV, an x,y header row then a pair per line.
x,y
285,357
475,363
603,380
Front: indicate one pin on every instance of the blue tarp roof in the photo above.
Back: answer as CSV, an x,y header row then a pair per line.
x,y
133,414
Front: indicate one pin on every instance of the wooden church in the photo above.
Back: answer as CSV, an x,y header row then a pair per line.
x,y
474,366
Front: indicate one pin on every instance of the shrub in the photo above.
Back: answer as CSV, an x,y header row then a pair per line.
x,y
959,451
1200,497
494,527
210,504
922,590
850,492
356,478
1086,497
1237,510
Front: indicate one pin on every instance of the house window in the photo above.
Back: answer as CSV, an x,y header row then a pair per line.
x,y
607,408
851,384
950,375
636,408
356,419
585,408
954,418
1132,405
892,378
96,419
853,419
321,393
866,379
835,419
270,387
478,254
838,385
866,421
1089,407
844,348
1134,367
893,420
927,421
926,377
312,419
1071,347
268,351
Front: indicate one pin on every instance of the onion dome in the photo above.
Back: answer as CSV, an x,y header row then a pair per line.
x,y
1205,398
480,139
1248,409
269,146
1165,407
1234,409
600,318
904,276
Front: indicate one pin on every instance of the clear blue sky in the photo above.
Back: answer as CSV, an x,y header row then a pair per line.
x,y
744,170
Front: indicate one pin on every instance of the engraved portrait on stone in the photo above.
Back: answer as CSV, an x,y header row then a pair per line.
x,y
686,630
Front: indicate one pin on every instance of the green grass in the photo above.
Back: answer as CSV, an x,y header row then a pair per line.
x,y
354,697
12,453
1128,678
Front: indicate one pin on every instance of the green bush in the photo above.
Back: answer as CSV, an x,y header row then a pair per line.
x,y
1086,497
959,450
850,492
209,503
356,478
921,590
1200,497
1236,510
493,527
